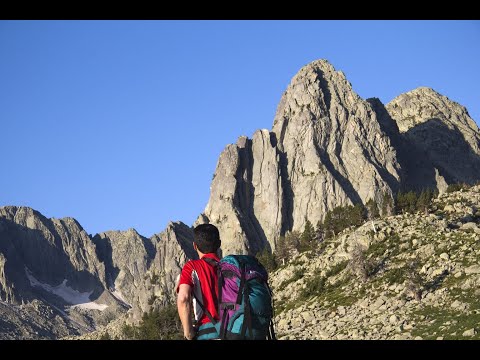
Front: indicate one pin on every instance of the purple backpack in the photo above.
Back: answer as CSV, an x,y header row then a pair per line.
x,y
245,301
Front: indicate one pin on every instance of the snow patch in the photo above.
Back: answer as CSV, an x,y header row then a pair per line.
x,y
71,296
91,305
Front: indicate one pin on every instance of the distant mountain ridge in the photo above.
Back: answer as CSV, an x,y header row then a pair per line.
x,y
328,147
83,282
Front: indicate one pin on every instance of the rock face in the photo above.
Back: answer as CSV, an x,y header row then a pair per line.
x,y
246,200
335,150
127,256
172,249
327,148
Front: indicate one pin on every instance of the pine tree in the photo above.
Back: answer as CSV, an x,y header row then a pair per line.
x,y
292,240
307,237
387,205
357,216
287,246
400,203
411,201
372,209
424,200
319,232
335,221
267,259
281,251
372,212
158,324
406,202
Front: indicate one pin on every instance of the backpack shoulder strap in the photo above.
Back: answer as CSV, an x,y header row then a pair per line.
x,y
210,261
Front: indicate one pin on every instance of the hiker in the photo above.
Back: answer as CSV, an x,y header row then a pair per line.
x,y
197,286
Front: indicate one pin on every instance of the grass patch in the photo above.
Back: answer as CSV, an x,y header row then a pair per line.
x,y
333,293
391,244
314,286
377,250
297,275
336,269
447,322
297,262
336,295
281,306
395,276
451,282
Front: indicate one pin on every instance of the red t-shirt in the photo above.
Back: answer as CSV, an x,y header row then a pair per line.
x,y
202,277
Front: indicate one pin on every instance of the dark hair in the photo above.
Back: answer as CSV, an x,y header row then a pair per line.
x,y
207,238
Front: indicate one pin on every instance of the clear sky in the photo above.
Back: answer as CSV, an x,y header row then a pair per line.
x,y
119,124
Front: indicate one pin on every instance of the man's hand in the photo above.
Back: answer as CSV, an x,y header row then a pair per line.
x,y
190,335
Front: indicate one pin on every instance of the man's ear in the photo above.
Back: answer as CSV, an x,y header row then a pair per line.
x,y
195,246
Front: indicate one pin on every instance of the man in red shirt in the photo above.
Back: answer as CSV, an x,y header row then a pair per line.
x,y
198,287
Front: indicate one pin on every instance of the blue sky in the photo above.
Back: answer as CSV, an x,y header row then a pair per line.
x,y
119,124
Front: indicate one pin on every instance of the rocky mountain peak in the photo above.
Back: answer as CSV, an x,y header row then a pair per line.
x,y
423,104
328,147
310,94
439,130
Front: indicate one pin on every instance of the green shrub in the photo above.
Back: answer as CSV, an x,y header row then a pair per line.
x,y
456,187
297,275
314,286
155,278
105,336
151,300
395,276
158,324
336,269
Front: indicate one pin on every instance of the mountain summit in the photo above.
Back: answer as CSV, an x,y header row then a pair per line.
x,y
328,147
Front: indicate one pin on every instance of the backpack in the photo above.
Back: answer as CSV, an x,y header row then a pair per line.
x,y
245,302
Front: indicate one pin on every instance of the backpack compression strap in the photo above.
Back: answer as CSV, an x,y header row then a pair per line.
x,y
205,310
247,315
271,330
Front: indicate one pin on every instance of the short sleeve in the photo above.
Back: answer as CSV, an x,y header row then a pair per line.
x,y
186,275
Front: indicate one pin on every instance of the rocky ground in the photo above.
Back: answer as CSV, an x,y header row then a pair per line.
x,y
417,276
36,320
112,331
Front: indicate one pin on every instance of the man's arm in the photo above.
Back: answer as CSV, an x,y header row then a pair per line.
x,y
184,305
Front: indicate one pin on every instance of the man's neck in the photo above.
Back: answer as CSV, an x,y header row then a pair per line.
x,y
200,254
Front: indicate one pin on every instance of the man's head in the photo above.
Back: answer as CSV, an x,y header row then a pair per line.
x,y
207,238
